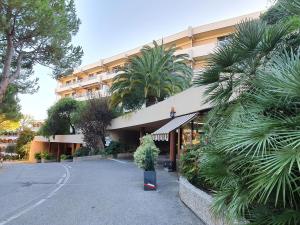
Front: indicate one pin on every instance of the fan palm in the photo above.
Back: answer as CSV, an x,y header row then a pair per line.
x,y
254,82
155,74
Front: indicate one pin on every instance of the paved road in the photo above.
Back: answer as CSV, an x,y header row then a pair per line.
x,y
88,193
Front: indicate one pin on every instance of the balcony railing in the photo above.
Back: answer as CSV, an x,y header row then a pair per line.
x,y
89,95
198,51
87,81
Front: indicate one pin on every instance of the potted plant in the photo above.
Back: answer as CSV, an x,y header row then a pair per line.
x,y
66,158
145,157
47,157
37,157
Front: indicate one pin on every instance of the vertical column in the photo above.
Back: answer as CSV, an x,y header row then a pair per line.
x,y
179,142
58,152
142,132
172,141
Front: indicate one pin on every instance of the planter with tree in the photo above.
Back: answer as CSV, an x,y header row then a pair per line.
x,y
145,157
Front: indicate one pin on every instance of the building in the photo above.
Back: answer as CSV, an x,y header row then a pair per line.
x,y
198,42
174,122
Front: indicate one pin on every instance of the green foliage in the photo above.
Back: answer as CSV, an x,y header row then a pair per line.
x,y
150,77
36,32
23,142
61,117
93,120
190,161
149,160
65,157
47,156
253,156
113,148
9,107
38,156
10,149
147,144
82,151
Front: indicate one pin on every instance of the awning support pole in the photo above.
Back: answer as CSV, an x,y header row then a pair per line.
x,y
173,149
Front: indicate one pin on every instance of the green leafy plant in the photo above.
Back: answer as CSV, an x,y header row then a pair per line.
x,y
38,156
46,155
65,157
190,167
151,77
113,148
149,160
147,145
82,151
253,156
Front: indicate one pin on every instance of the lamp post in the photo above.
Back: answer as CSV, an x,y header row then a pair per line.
x,y
172,112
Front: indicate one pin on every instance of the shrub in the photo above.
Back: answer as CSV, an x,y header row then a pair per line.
x,y
149,161
190,167
82,151
47,156
65,157
147,144
113,148
38,156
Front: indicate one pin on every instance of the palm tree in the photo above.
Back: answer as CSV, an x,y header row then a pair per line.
x,y
155,74
253,156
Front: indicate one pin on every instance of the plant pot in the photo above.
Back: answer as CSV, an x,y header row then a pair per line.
x,y
115,156
150,181
66,160
38,160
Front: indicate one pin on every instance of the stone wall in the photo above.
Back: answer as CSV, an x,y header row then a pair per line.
x,y
198,201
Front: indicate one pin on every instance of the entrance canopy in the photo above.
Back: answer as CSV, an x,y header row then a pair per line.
x,y
162,134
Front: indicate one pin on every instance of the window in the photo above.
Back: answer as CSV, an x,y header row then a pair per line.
x,y
223,40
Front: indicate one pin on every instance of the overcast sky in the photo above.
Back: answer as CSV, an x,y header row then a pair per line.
x,y
113,26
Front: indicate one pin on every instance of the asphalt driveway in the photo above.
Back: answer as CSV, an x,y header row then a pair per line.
x,y
88,193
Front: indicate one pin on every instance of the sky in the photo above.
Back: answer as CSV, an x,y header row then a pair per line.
x,y
110,27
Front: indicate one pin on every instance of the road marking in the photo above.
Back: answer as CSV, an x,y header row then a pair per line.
x,y
119,161
63,181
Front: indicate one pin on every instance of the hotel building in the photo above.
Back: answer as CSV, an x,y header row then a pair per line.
x,y
171,133
198,42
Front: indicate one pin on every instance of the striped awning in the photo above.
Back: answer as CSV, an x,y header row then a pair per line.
x,y
162,134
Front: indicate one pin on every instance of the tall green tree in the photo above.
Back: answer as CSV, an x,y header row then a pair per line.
x,y
25,137
151,77
253,156
61,117
93,119
36,32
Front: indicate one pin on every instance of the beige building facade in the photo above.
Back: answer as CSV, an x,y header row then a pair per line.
x,y
95,79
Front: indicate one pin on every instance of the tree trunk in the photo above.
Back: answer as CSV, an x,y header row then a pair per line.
x,y
6,67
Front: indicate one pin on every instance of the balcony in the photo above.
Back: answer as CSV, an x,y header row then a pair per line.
x,y
86,81
89,95
198,51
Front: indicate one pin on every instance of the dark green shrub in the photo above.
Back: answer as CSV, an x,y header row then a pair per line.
x,y
82,151
190,167
113,148
38,156
47,156
149,160
65,157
